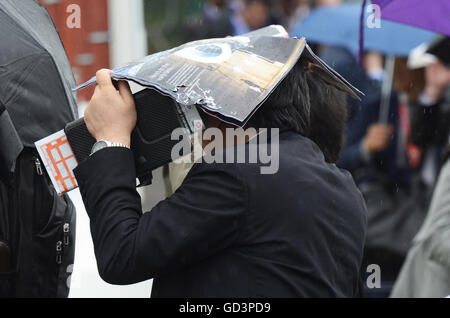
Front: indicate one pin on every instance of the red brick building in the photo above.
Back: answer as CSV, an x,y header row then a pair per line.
x,y
87,42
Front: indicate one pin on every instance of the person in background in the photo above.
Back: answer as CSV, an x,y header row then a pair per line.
x,y
214,21
370,147
430,112
425,272
291,12
249,15
377,154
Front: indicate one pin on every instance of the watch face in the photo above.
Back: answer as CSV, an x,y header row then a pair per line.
x,y
99,145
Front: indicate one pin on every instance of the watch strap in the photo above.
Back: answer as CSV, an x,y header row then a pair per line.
x,y
108,144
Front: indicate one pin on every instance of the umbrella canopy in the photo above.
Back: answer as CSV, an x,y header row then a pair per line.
x,y
431,15
339,26
35,75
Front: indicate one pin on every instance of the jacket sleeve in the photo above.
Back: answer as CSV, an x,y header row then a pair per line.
x,y
352,157
437,223
363,114
204,216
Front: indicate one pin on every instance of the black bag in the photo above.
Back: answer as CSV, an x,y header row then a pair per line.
x,y
37,233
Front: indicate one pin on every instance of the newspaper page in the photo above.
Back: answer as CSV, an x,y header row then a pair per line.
x,y
229,77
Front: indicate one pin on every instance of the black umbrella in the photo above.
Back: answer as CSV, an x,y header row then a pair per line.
x,y
36,100
35,79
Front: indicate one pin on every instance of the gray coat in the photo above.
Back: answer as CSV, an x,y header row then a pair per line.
x,y
426,271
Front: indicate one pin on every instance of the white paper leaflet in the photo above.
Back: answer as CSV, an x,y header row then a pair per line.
x,y
59,161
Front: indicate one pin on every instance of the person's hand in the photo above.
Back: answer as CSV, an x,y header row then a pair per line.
x,y
111,114
377,138
437,77
373,65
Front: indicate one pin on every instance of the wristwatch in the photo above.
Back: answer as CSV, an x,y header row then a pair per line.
x,y
101,144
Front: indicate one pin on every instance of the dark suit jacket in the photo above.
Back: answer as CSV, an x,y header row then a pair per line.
x,y
230,231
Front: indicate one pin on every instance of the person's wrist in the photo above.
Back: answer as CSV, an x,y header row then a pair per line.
x,y
364,150
124,139
432,94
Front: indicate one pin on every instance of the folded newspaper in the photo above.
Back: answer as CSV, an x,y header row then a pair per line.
x,y
228,78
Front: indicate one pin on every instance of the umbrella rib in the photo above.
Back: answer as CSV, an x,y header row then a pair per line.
x,y
32,65
43,52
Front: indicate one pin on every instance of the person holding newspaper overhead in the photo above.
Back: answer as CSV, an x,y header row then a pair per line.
x,y
230,230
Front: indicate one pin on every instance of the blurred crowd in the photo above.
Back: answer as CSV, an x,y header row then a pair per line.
x,y
221,18
396,161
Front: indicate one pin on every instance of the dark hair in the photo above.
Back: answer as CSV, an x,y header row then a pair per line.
x,y
306,104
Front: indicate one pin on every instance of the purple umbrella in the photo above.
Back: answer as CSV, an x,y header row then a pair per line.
x,y
431,15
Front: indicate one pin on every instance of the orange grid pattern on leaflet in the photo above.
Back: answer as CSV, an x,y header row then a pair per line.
x,y
62,171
